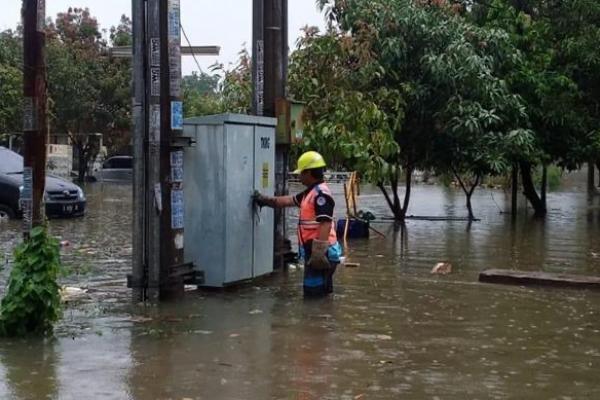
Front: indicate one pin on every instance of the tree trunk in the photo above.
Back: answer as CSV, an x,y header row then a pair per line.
x,y
81,163
598,166
407,187
398,211
468,192
529,191
514,189
544,184
470,207
591,184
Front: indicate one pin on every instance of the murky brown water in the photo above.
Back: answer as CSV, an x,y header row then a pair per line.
x,y
391,331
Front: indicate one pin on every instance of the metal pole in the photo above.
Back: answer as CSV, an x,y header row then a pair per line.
x,y
274,85
35,127
154,199
138,283
171,167
258,57
275,60
284,46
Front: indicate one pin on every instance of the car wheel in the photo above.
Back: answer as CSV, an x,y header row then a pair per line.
x,y
6,212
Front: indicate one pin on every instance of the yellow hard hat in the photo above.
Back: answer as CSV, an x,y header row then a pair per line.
x,y
310,160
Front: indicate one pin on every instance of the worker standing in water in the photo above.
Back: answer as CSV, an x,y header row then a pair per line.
x,y
317,239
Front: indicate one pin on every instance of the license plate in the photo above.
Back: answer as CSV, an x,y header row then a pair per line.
x,y
68,209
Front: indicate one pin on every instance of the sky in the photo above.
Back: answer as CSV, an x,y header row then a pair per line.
x,y
224,23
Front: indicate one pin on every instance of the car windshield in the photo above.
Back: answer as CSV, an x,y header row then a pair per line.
x,y
10,162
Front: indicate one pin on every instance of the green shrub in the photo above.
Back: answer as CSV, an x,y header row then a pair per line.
x,y
554,176
32,301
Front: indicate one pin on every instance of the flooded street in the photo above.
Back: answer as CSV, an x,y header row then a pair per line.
x,y
391,331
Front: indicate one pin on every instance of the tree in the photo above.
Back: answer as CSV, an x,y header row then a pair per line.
x,y
90,93
200,94
235,89
391,81
11,82
556,105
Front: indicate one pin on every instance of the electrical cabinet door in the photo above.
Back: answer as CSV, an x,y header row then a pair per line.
x,y
239,164
264,182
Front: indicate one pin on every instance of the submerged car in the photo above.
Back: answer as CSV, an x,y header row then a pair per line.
x,y
61,198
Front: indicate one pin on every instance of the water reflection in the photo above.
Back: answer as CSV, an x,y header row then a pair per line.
x,y
28,369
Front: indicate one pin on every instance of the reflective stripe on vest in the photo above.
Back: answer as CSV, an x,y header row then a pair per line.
x,y
308,226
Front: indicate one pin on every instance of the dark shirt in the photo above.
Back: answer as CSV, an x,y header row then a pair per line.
x,y
324,204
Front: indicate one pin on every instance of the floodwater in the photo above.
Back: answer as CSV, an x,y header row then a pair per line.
x,y
391,331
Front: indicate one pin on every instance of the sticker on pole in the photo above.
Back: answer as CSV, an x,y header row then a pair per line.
x,y
175,68
155,52
158,197
154,123
177,166
176,209
177,115
174,19
155,81
29,115
265,175
260,77
26,199
41,15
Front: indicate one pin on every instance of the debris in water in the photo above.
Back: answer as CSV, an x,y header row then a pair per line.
x,y
442,268
369,336
140,319
65,243
256,311
68,293
352,264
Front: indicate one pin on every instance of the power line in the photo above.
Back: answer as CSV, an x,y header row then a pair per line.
x,y
190,46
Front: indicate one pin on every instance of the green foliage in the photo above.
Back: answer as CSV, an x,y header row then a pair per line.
x,y
397,84
89,92
200,94
32,301
553,176
235,89
11,82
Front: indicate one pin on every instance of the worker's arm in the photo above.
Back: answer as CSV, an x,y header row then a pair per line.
x,y
274,201
283,201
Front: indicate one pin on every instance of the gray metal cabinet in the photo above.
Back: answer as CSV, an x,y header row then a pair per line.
x,y
225,236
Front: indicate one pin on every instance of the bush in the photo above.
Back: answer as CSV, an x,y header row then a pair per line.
x,y
554,175
32,301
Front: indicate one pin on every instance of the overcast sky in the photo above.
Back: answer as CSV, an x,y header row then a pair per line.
x,y
225,23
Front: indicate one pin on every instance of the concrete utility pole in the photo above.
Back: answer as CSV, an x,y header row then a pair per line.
x,y
158,270
35,127
269,75
140,134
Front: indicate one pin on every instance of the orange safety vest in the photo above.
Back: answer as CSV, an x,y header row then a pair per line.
x,y
308,227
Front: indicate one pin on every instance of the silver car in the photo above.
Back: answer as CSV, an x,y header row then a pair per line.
x,y
116,169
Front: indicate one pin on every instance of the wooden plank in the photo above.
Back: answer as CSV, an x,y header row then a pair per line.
x,y
538,278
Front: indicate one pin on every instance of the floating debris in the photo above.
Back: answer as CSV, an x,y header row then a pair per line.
x,y
442,268
68,293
